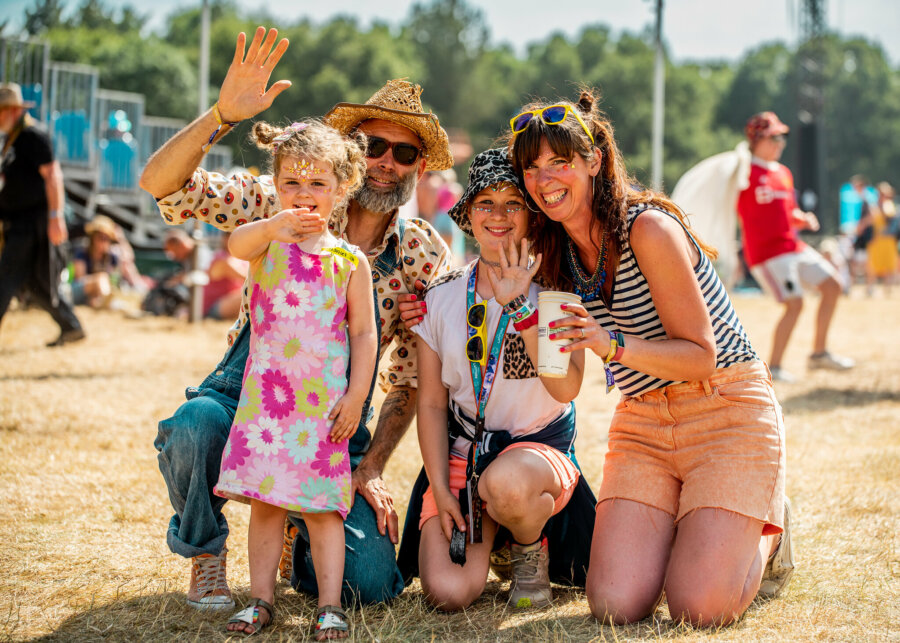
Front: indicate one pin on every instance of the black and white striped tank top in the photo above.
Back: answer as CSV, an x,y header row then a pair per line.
x,y
633,313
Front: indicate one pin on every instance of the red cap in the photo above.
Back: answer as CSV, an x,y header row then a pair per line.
x,y
764,124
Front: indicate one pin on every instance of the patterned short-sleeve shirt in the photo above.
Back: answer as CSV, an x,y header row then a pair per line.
x,y
227,202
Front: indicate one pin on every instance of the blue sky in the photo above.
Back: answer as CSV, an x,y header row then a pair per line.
x,y
694,29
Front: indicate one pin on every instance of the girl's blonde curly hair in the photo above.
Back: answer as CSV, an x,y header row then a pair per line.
x,y
317,142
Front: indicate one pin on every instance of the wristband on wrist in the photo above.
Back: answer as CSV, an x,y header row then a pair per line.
x,y
55,214
620,347
218,116
511,307
616,348
613,346
528,322
526,310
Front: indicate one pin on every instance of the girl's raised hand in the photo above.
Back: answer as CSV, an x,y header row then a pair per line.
x,y
345,414
243,93
515,275
292,226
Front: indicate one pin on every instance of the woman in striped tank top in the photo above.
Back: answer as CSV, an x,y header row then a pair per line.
x,y
692,499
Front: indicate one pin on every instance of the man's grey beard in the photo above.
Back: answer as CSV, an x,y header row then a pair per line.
x,y
386,202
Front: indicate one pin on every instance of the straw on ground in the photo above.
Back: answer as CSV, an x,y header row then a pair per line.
x,y
84,511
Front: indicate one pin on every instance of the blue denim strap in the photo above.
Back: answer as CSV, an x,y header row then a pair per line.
x,y
360,441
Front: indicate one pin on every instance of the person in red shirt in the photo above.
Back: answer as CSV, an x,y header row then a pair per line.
x,y
778,259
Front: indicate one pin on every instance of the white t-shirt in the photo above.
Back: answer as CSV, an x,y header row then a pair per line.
x,y
519,403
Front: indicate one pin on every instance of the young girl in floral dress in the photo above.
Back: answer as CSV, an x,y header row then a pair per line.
x,y
311,308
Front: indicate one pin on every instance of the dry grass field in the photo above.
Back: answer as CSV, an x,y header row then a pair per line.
x,y
84,511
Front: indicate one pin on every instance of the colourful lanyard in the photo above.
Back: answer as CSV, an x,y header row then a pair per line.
x,y
482,386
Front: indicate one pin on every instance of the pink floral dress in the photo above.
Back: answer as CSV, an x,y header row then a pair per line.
x,y
278,450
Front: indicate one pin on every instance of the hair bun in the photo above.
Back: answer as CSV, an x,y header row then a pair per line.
x,y
586,102
263,134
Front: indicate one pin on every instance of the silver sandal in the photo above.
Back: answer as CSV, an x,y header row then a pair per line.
x,y
250,616
331,617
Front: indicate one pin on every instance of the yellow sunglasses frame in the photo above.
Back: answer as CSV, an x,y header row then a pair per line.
x,y
481,332
540,114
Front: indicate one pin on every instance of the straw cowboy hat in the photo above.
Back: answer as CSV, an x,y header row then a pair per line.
x,y
101,223
11,96
398,102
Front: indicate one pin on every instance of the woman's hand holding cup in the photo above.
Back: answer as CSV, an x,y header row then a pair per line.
x,y
582,329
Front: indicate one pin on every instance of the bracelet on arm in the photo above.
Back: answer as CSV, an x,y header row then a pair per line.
x,y
511,307
613,347
527,322
54,214
620,347
218,116
525,310
613,351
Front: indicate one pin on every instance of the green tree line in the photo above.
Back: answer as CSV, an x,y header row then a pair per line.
x,y
475,85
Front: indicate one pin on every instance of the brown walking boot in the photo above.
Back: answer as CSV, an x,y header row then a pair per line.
x,y
531,574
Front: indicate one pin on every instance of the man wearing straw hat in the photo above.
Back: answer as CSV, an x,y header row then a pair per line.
x,y
31,211
404,142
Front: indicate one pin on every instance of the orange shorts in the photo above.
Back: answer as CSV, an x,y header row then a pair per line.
x,y
563,469
715,443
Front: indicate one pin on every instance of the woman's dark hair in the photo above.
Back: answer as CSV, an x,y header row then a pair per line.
x,y
614,190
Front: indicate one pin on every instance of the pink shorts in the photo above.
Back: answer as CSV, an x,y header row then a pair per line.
x,y
565,472
715,443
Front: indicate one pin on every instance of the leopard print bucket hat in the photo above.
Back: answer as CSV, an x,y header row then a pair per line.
x,y
488,168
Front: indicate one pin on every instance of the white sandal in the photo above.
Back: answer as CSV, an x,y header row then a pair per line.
x,y
331,617
250,616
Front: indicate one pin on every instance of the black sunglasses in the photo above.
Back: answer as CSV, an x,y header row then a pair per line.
x,y
404,153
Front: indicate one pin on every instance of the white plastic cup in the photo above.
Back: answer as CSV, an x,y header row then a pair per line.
x,y
551,362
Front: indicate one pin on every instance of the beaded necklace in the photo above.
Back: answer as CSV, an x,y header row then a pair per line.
x,y
587,286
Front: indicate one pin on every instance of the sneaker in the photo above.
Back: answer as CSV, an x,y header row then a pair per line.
x,y
781,375
829,361
501,563
286,564
209,587
67,337
781,563
531,575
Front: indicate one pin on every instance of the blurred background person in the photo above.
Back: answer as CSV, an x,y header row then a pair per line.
x,y
881,250
105,266
31,211
779,261
172,295
436,193
222,295
862,234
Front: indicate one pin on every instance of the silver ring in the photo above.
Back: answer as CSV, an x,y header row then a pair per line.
x,y
582,333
